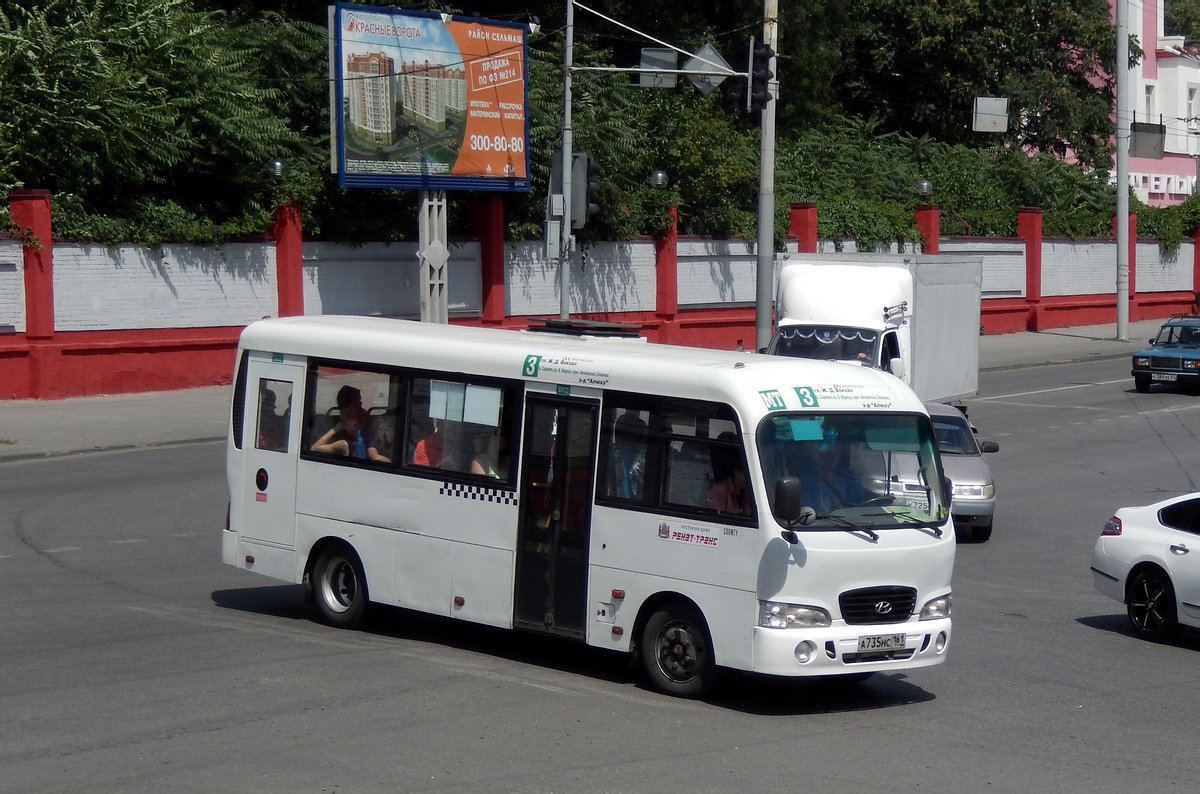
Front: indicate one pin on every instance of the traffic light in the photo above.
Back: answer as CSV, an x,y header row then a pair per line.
x,y
585,191
759,83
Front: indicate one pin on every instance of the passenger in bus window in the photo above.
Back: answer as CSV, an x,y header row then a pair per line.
x,y
429,449
487,459
383,438
629,456
729,495
272,428
351,435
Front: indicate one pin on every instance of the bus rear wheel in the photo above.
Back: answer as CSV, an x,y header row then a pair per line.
x,y
676,651
339,587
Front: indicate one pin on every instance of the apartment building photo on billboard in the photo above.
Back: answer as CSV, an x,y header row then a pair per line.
x,y
426,101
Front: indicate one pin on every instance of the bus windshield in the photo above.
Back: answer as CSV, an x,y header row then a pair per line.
x,y
856,470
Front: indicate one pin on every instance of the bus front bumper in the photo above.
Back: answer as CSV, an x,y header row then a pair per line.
x,y
846,650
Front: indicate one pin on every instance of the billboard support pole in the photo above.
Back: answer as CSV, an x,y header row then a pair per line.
x,y
433,254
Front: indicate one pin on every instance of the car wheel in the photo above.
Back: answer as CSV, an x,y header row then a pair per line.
x,y
981,534
676,651
1150,604
339,587
1141,383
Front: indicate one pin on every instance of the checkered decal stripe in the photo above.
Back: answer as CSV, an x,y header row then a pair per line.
x,y
478,493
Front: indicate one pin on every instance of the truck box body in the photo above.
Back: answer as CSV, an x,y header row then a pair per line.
x,y
871,309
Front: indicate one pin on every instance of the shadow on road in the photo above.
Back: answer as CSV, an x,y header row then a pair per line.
x,y
747,693
1119,624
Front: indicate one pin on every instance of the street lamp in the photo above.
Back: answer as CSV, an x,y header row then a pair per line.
x,y
278,169
659,179
924,188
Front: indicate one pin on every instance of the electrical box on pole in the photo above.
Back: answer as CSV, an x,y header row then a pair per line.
x,y
552,230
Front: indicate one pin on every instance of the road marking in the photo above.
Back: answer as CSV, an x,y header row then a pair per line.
x,y
1056,388
130,540
61,549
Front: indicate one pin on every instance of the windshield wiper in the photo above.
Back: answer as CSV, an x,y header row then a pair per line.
x,y
849,526
931,525
808,516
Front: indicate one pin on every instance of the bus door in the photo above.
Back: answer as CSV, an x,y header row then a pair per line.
x,y
270,445
557,474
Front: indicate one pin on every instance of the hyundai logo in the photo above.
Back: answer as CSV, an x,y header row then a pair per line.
x,y
883,607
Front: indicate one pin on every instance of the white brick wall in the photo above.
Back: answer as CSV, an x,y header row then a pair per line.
x,y
126,287
1003,264
12,288
102,288
714,272
384,279
1159,272
609,277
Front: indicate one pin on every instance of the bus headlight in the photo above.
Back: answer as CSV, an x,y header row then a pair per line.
x,y
776,615
936,608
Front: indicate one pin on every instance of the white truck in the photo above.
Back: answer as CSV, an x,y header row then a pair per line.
x,y
914,316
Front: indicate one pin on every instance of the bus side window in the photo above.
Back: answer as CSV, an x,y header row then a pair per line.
x,y
274,420
627,470
689,474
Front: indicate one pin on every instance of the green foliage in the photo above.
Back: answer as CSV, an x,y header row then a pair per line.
x,y
155,120
121,104
1182,18
919,64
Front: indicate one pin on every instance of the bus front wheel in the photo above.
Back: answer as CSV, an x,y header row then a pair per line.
x,y
676,651
339,587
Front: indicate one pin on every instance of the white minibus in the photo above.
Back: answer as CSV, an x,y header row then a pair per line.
x,y
701,509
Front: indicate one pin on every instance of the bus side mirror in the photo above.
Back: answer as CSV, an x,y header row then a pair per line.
x,y
787,499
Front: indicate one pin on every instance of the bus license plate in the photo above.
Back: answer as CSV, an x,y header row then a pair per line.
x,y
1167,376
881,642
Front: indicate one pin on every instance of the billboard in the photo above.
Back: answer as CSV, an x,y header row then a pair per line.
x,y
418,102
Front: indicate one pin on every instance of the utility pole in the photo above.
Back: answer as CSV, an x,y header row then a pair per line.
x,y
1123,118
765,277
566,238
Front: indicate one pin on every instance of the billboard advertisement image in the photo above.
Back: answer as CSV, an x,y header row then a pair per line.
x,y
419,102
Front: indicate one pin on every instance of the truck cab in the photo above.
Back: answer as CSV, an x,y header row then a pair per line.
x,y
917,317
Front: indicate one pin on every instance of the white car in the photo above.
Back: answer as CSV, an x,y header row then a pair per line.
x,y
1143,558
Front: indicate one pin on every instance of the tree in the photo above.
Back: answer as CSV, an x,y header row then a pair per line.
x,y
145,109
919,64
1182,18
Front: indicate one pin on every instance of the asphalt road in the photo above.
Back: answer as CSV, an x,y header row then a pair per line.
x,y
133,660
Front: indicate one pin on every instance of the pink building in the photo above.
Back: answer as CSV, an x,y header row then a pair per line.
x,y
1165,89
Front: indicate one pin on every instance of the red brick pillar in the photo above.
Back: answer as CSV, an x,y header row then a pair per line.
x,y
487,224
30,212
1196,268
289,261
928,221
802,224
1029,229
666,271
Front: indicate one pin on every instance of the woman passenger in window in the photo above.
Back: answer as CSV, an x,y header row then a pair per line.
x,y
487,460
350,437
